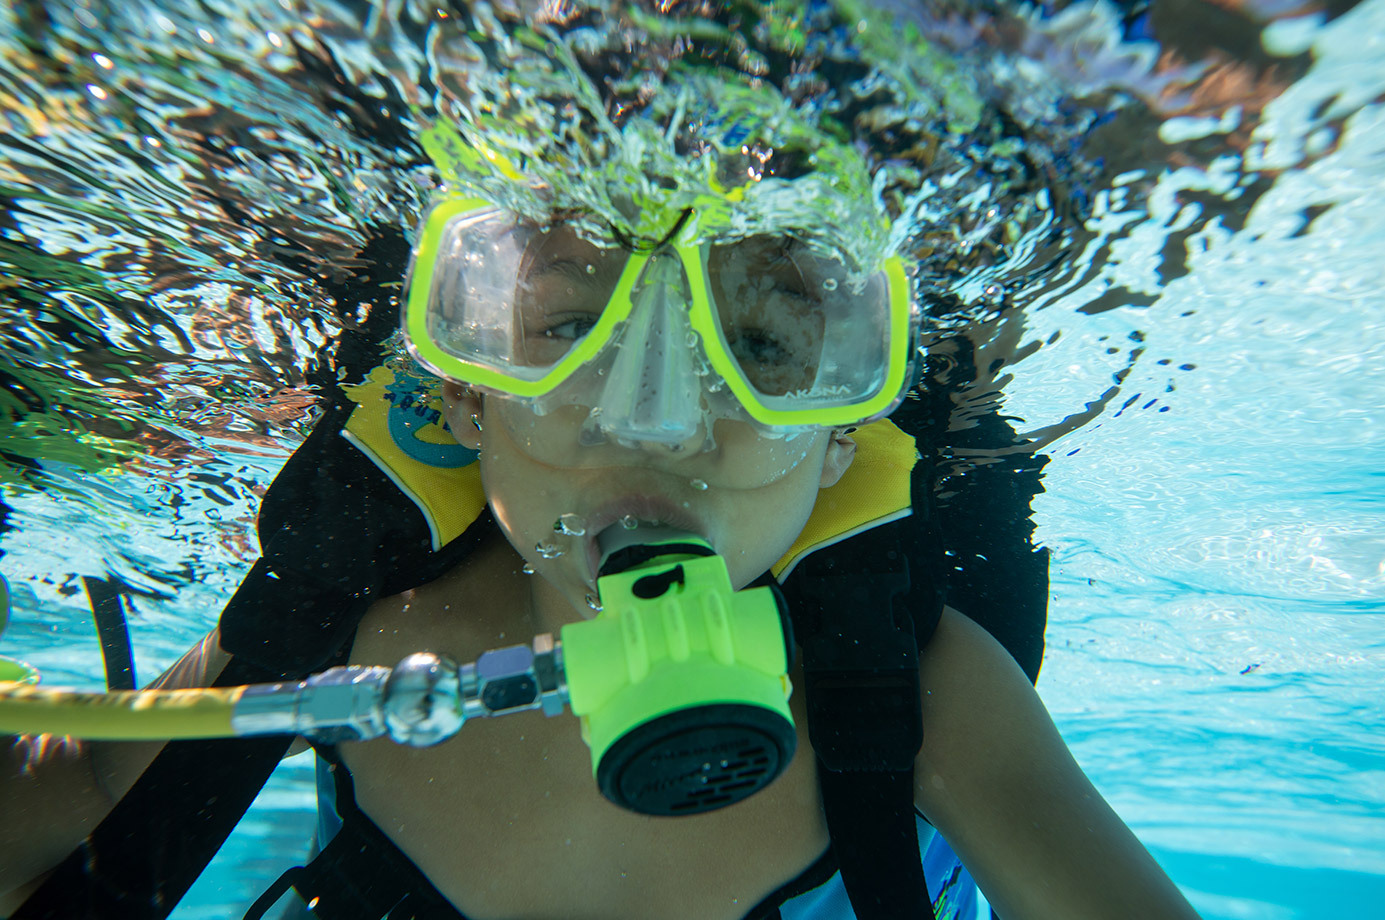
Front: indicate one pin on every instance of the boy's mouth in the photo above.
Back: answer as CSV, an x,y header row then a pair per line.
x,y
627,520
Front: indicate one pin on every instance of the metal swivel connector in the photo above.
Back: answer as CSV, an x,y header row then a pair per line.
x,y
422,700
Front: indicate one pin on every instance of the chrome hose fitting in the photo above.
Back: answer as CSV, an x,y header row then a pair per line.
x,y
422,700
340,704
515,679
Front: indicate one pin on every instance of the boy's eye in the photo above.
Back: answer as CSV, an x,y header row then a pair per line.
x,y
570,329
756,346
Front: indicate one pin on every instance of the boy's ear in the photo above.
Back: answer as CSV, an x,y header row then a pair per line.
x,y
841,450
462,409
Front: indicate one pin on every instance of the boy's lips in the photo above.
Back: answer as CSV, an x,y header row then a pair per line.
x,y
648,509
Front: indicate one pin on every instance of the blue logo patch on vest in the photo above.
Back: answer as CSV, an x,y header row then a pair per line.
x,y
409,413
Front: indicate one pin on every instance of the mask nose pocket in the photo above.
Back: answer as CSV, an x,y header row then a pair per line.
x,y
652,391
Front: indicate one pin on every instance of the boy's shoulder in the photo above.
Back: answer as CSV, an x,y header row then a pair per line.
x,y
469,609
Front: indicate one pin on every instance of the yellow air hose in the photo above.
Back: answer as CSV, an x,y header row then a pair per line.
x,y
126,715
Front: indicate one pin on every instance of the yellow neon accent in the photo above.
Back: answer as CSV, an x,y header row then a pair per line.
x,y
127,715
446,149
450,498
874,490
639,660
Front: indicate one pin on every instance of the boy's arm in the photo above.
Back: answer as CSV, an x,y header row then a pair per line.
x,y
996,779
54,791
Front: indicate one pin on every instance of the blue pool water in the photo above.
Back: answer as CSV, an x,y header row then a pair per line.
x,y
1216,642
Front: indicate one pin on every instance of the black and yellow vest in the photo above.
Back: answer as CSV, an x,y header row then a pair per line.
x,y
380,499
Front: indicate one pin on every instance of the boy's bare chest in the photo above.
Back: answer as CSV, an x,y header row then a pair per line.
x,y
505,818
508,824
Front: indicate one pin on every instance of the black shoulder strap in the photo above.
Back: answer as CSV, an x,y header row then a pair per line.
x,y
333,542
862,610
861,619
105,596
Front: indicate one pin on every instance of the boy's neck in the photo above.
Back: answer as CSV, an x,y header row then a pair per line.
x,y
549,609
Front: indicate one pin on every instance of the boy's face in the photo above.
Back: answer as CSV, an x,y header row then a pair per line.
x,y
751,527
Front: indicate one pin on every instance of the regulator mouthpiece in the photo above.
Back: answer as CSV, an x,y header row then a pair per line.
x,y
681,682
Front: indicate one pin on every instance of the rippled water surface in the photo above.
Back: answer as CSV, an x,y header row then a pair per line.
x,y
195,200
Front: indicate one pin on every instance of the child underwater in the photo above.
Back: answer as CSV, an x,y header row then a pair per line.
x,y
663,297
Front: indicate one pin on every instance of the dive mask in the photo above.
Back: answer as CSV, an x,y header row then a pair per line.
x,y
678,347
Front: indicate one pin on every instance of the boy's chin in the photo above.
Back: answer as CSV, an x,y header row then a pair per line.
x,y
575,592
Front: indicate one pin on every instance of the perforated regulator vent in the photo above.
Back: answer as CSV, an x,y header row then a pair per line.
x,y
697,760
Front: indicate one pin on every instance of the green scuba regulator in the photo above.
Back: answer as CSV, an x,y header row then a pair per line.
x,y
681,684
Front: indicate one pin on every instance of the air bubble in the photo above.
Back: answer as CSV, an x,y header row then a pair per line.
x,y
548,550
629,522
527,569
593,603
573,525
830,284
699,484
